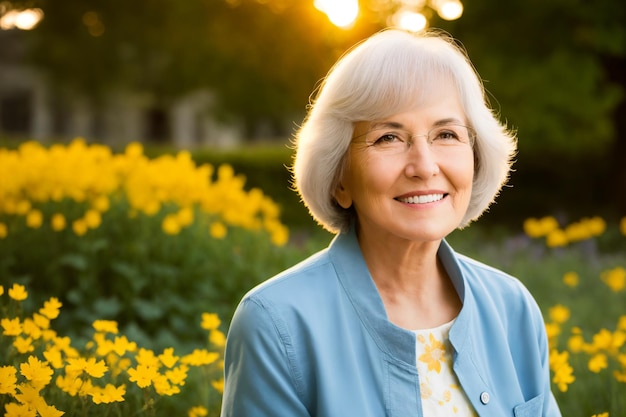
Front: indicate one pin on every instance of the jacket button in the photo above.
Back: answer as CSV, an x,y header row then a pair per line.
x,y
484,397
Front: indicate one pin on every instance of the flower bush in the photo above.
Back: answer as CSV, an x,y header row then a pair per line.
x,y
586,345
43,374
91,176
148,242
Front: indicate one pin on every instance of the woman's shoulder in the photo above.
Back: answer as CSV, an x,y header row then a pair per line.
x,y
486,281
307,277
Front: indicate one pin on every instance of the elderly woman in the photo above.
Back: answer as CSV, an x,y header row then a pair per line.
x,y
398,150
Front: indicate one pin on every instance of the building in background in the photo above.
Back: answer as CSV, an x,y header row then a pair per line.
x,y
30,108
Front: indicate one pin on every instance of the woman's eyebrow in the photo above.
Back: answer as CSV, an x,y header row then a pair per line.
x,y
447,121
386,125
390,124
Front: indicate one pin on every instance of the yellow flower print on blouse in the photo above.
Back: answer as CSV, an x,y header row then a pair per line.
x,y
441,393
434,353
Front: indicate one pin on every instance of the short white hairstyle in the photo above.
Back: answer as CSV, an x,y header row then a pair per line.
x,y
384,75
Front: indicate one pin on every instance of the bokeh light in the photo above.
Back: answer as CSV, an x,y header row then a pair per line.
x,y
341,13
21,19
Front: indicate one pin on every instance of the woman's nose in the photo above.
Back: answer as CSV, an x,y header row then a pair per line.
x,y
421,161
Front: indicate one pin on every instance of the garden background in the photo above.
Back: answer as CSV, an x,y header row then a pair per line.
x,y
121,263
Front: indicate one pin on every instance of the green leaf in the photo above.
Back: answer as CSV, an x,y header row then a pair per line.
x,y
76,261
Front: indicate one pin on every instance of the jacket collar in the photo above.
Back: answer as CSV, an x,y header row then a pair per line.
x,y
359,286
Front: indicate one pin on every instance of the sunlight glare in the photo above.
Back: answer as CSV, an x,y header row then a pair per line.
x,y
28,19
24,20
450,9
411,21
341,13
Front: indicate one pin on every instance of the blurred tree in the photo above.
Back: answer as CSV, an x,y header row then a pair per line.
x,y
558,72
556,68
261,62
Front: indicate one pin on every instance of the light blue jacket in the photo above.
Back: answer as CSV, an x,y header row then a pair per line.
x,y
315,341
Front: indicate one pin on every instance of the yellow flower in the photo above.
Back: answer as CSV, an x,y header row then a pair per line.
x,y
121,345
185,216
34,219
93,219
556,238
105,326
58,222
198,411
218,385
218,230
109,394
37,372
1,289
18,292
598,362
23,207
177,375
553,330
540,227
79,227
12,327
622,226
279,234
8,380
19,410
601,415
167,358
30,328
596,225
45,410
54,357
576,343
571,279
4,231
51,308
615,278
134,150
562,370
433,354
69,384
200,357
559,313
41,321
101,203
210,321
29,394
143,375
76,366
171,225
162,386
217,338
147,357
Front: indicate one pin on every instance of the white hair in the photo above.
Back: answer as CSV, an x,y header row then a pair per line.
x,y
386,74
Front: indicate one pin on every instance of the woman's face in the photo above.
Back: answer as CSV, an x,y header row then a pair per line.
x,y
418,192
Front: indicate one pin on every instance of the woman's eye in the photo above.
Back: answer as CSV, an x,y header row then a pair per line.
x,y
447,135
388,138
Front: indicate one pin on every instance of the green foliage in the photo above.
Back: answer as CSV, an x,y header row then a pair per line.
x,y
155,285
546,66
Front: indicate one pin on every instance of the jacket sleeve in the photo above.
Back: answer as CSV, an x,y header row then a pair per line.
x,y
259,373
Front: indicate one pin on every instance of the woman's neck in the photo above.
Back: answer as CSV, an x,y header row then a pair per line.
x,y
412,282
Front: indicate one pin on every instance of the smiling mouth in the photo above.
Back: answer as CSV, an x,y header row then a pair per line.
x,y
421,199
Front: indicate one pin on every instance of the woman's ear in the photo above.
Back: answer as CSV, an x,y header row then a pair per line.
x,y
343,196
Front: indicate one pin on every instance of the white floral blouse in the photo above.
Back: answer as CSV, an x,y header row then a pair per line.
x,y
441,393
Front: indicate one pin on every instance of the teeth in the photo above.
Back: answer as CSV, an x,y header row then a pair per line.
x,y
422,199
